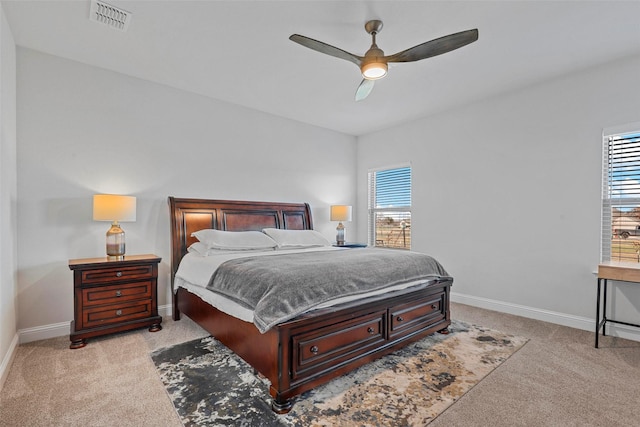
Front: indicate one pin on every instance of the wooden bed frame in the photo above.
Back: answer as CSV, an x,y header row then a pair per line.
x,y
315,347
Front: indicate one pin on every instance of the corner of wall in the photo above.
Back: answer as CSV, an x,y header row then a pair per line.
x,y
8,191
8,360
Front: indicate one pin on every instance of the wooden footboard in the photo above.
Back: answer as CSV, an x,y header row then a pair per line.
x,y
314,348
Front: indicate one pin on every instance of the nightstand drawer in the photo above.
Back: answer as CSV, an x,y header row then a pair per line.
x,y
114,294
116,313
112,274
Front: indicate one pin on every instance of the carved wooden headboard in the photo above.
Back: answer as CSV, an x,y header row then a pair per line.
x,y
190,215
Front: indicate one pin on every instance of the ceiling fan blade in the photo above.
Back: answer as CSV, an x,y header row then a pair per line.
x,y
326,48
435,47
365,88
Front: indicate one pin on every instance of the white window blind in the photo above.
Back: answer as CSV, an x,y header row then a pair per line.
x,y
621,197
390,207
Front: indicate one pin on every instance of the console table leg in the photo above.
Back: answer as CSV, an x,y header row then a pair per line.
x,y
597,313
604,308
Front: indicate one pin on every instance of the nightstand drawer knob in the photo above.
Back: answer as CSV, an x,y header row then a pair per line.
x,y
119,274
370,330
400,319
118,312
314,349
118,293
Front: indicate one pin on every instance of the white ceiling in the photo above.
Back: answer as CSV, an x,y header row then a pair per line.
x,y
239,52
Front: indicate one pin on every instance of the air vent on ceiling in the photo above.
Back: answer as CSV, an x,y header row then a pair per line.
x,y
109,15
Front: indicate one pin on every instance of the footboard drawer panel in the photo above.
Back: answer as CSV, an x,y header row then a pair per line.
x,y
412,316
336,344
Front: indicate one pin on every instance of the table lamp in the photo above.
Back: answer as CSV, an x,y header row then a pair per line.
x,y
340,213
115,208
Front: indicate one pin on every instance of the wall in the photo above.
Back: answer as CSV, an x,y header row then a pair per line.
x,y
84,130
507,193
8,230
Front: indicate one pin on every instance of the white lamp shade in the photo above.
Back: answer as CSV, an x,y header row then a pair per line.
x,y
340,213
111,207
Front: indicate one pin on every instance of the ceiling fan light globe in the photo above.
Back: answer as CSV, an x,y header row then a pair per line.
x,y
374,70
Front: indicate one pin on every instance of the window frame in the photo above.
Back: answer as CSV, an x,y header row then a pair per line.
x,y
371,198
612,188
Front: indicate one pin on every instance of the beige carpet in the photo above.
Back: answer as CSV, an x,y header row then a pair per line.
x,y
556,379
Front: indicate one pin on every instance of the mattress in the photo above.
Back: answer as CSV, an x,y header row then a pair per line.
x,y
195,271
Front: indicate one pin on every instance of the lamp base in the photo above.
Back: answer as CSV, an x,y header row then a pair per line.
x,y
115,241
340,231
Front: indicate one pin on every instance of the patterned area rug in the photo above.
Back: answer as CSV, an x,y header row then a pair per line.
x,y
211,386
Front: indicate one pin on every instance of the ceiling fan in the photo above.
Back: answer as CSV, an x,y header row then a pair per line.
x,y
374,64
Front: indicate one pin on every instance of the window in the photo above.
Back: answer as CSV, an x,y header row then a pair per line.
x,y
621,197
390,208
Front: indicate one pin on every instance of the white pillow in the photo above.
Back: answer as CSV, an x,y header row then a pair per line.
x,y
234,240
203,250
200,249
296,238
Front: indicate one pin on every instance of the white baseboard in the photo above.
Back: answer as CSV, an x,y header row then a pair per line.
x,y
578,322
165,310
38,333
7,360
61,329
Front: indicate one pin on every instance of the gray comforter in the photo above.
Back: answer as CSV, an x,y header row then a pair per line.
x,y
279,287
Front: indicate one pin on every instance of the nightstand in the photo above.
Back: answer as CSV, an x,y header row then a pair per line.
x,y
113,296
351,245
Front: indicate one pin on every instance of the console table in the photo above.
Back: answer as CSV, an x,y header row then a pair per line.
x,y
613,270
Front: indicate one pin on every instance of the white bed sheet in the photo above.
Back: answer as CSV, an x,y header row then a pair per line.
x,y
195,271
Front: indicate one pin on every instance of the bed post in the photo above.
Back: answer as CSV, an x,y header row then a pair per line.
x,y
174,299
175,256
